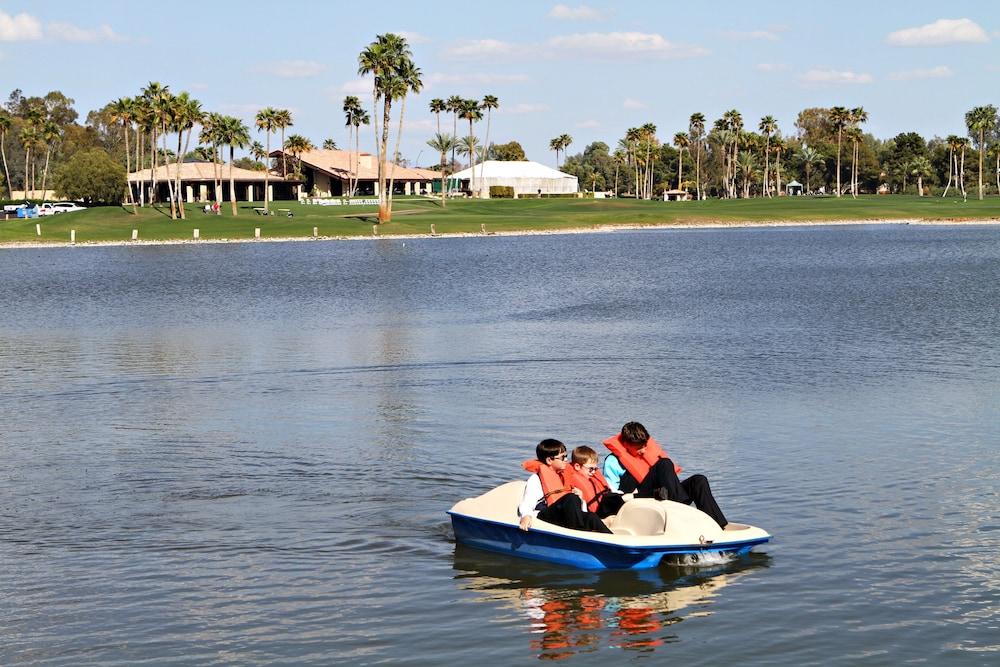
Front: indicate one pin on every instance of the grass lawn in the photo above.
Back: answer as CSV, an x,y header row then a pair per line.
x,y
416,215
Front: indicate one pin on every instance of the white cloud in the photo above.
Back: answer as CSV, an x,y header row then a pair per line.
x,y
413,37
588,124
470,79
20,28
621,44
939,72
579,13
67,32
292,69
523,108
772,67
479,48
939,33
630,103
829,76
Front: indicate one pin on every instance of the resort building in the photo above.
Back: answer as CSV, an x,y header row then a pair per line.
x,y
198,180
329,173
527,178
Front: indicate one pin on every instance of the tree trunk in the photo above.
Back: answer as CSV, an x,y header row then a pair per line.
x,y
486,148
767,164
27,170
838,161
179,189
284,169
472,159
170,181
982,150
961,175
267,170
951,172
920,185
45,172
6,171
854,165
232,181
128,170
395,153
697,170
152,174
777,169
384,214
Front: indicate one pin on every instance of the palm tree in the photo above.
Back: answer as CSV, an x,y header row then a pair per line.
x,y
454,106
963,145
682,142
362,118
809,157
151,97
778,146
768,126
490,102
329,145
980,121
696,130
235,134
556,145
855,136
296,144
5,124
266,120
188,113
647,135
620,159
840,117
472,113
920,167
283,121
857,116
352,113
747,164
211,125
733,121
407,80
952,141
123,111
443,143
385,58
50,133
564,141
438,106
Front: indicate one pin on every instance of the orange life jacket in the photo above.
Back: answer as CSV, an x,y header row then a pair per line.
x,y
638,466
594,487
553,485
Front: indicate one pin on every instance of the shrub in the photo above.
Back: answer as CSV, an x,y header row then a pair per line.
x,y
91,176
501,192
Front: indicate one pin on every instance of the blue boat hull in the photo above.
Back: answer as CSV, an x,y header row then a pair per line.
x,y
577,551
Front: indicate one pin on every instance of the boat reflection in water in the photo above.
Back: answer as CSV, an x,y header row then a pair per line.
x,y
572,611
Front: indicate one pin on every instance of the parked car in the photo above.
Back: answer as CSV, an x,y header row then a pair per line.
x,y
49,208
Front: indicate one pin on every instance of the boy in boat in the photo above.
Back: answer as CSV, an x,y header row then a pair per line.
x,y
638,464
586,476
549,495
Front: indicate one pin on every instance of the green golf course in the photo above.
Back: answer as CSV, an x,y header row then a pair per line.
x,y
414,215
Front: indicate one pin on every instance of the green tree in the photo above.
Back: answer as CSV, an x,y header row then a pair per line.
x,y
442,143
921,168
354,117
810,157
682,142
266,119
696,131
840,117
123,110
5,125
437,107
329,144
296,144
235,134
91,176
283,121
471,112
768,126
508,152
980,121
407,80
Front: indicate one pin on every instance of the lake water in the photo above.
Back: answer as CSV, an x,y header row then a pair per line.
x,y
244,454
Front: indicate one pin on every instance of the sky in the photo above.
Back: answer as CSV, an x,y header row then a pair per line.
x,y
588,70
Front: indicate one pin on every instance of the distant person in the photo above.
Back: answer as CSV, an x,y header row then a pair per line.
x,y
586,476
550,497
638,464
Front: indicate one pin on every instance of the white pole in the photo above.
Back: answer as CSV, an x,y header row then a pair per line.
x,y
38,229
256,232
72,236
374,230
135,234
315,232
197,233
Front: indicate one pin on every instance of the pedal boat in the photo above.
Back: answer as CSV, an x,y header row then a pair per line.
x,y
644,532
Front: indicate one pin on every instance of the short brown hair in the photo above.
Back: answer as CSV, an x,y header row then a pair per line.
x,y
635,433
584,454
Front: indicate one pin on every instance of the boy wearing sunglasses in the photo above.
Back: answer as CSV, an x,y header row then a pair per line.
x,y
549,493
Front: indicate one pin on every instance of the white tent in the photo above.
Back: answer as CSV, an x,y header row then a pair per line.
x,y
527,178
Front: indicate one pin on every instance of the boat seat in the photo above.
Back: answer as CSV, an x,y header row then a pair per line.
x,y
640,516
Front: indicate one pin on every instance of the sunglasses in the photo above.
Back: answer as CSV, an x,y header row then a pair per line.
x,y
590,468
561,457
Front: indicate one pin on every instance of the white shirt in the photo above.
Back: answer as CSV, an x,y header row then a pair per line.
x,y
533,495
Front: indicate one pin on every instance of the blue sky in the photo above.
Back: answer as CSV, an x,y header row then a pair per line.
x,y
591,70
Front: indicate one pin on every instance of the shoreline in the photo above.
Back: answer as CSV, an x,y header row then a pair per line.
x,y
596,229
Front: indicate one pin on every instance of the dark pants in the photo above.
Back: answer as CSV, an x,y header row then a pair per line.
x,y
568,513
662,476
609,505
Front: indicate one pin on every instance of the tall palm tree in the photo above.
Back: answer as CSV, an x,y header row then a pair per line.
x,y
778,146
733,121
123,111
211,134
472,113
454,106
50,134
385,59
855,136
768,126
696,130
490,102
809,157
352,113
747,164
283,121
6,122
963,145
152,96
952,141
647,135
840,118
188,113
329,144
296,144
556,145
620,159
920,167
981,121
438,106
443,143
857,116
165,112
29,138
266,119
564,141
235,134
682,142
407,80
